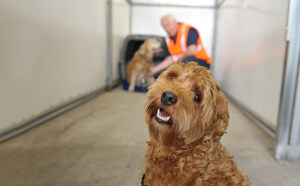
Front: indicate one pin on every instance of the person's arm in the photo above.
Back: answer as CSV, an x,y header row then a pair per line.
x,y
161,66
190,51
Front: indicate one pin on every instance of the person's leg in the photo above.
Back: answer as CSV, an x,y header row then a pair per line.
x,y
199,61
157,74
186,60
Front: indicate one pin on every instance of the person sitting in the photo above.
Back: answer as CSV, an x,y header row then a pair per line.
x,y
184,45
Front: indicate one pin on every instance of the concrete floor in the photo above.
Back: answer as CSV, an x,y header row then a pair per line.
x,y
102,142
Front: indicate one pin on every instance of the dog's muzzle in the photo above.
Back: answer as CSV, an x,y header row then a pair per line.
x,y
168,98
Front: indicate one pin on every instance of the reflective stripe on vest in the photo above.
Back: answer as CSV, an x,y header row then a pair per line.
x,y
167,39
176,58
199,47
182,39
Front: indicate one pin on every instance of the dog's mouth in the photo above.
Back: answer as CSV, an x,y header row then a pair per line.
x,y
163,117
157,50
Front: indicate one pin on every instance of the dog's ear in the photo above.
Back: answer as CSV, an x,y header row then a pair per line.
x,y
221,114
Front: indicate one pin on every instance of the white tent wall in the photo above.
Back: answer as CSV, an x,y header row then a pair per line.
x,y
146,20
250,54
52,53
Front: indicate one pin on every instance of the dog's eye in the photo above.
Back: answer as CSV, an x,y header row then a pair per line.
x,y
197,98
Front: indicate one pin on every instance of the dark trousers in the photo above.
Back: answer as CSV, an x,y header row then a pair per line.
x,y
189,59
199,61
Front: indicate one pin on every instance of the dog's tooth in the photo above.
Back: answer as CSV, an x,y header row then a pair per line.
x,y
160,117
165,118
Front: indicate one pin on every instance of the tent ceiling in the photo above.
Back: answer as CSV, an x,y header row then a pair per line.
x,y
174,2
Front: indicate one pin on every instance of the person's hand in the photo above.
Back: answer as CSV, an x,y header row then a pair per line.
x,y
150,72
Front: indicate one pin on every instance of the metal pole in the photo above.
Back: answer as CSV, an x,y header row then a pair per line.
x,y
282,148
109,42
216,15
130,18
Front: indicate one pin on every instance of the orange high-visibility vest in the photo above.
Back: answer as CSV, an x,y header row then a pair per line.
x,y
178,49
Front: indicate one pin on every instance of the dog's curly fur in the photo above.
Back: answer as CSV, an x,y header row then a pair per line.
x,y
185,149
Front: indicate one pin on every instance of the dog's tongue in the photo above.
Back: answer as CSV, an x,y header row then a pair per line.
x,y
157,50
163,113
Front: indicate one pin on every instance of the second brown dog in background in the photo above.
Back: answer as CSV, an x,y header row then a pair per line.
x,y
141,63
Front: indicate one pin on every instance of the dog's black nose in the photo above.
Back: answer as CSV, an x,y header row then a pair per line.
x,y
168,98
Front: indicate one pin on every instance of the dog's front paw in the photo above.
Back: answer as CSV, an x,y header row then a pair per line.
x,y
131,88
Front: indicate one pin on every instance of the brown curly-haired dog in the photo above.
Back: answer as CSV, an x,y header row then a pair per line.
x,y
187,115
